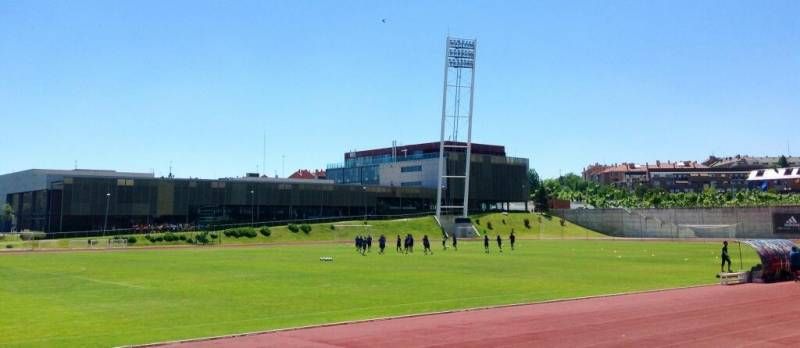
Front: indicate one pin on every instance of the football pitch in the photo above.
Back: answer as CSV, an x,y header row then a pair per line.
x,y
100,298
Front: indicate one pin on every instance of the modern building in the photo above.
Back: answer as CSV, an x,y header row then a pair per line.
x,y
495,178
84,200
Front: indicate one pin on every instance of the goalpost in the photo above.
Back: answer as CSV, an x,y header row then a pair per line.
x,y
708,230
117,243
340,230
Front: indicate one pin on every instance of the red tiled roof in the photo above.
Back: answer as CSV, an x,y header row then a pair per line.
x,y
307,174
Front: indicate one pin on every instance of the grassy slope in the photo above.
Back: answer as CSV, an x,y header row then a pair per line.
x,y
101,299
547,228
347,230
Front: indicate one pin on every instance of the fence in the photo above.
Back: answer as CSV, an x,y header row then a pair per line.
x,y
740,223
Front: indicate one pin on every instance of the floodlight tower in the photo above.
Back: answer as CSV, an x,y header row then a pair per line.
x,y
457,97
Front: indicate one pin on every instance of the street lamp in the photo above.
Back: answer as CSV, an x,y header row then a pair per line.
x,y
105,220
252,207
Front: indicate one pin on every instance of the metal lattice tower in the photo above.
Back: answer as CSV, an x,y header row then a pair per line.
x,y
457,101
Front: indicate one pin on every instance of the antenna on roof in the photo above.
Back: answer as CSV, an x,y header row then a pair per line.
x,y
264,153
170,170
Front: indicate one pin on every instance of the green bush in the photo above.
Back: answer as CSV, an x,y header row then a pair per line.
x,y
182,237
293,228
504,221
239,232
203,238
158,239
131,240
213,235
489,225
477,221
9,246
265,231
190,240
527,223
333,227
306,228
170,237
31,235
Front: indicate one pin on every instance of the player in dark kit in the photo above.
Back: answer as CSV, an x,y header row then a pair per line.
x,y
486,243
725,257
794,262
382,243
455,243
444,241
369,243
499,243
426,244
512,238
398,248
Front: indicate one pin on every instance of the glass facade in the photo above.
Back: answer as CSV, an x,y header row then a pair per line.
x,y
81,204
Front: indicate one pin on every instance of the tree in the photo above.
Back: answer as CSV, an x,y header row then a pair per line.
x,y
783,162
7,214
533,180
540,198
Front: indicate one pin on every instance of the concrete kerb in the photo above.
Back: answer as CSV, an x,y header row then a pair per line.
x,y
472,309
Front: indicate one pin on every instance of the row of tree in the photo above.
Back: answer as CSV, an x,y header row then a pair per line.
x,y
573,188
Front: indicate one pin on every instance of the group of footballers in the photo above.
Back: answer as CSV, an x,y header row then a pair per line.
x,y
511,238
406,245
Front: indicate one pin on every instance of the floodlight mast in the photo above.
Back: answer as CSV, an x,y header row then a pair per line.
x,y
459,57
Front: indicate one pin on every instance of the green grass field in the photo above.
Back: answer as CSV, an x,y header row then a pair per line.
x,y
82,299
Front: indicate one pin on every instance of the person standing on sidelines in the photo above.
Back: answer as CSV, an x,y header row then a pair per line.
x,y
382,243
794,262
455,243
512,238
426,244
486,243
398,248
725,258
499,243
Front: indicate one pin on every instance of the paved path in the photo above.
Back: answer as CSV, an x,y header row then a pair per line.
x,y
758,315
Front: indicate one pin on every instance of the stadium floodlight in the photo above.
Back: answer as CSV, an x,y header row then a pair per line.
x,y
252,207
105,220
460,57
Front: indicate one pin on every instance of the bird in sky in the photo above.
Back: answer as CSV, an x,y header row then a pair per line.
x,y
383,20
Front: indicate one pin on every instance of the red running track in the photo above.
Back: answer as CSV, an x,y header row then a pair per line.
x,y
761,315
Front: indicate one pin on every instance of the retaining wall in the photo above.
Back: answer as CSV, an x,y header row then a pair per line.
x,y
742,223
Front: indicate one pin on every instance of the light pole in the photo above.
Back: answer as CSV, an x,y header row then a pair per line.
x,y
252,207
105,220
364,200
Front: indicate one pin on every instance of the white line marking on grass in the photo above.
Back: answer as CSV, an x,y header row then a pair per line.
x,y
108,282
127,285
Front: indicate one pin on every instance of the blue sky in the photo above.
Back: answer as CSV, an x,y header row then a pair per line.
x,y
133,85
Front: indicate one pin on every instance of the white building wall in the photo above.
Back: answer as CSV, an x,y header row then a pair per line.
x,y
391,174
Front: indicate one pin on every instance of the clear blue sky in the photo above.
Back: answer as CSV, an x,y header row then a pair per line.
x,y
131,85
